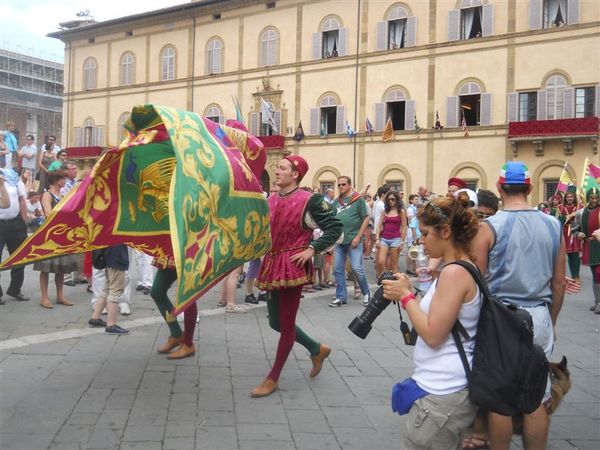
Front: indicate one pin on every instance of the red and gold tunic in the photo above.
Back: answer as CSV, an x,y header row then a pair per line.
x,y
292,219
567,215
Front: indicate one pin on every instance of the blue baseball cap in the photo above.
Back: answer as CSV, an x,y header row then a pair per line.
x,y
514,172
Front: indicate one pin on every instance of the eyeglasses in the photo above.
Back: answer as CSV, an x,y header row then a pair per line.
x,y
342,184
392,200
481,215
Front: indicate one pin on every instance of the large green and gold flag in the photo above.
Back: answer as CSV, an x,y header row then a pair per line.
x,y
181,188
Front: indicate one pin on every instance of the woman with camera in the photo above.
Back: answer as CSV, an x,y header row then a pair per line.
x,y
442,410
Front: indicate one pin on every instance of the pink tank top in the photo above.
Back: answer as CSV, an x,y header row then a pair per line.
x,y
391,227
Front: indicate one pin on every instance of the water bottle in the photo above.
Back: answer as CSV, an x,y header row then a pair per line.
x,y
423,273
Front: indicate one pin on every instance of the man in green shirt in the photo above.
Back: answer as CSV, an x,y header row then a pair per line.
x,y
351,208
61,157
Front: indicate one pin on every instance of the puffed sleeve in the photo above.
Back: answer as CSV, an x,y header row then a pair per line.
x,y
318,214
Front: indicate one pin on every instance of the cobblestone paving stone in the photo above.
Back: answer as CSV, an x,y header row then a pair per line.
x,y
65,386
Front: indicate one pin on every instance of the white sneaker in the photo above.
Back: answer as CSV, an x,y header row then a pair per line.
x,y
124,308
367,298
104,312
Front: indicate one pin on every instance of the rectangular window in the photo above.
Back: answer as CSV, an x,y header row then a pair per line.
x,y
554,13
527,106
330,44
470,20
584,101
550,186
469,108
88,139
328,120
395,185
324,185
397,34
396,111
472,184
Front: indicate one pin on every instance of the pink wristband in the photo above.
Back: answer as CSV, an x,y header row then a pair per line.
x,y
407,298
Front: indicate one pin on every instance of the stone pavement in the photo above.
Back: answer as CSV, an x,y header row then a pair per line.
x,y
64,386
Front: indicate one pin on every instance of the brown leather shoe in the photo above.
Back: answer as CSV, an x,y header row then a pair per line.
x,y
317,360
171,343
184,351
267,387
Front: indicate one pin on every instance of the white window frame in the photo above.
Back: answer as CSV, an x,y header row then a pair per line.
x,y
89,74
214,56
555,88
269,47
127,69
214,111
167,63
329,26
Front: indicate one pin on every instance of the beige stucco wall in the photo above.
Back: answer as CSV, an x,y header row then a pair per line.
x,y
428,73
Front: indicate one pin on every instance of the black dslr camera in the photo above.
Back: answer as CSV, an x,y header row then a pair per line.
x,y
361,325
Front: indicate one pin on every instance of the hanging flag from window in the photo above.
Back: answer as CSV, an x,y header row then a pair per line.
x,y
438,124
268,114
368,126
349,130
388,131
464,123
417,127
299,133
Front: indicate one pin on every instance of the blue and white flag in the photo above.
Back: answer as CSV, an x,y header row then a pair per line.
x,y
349,131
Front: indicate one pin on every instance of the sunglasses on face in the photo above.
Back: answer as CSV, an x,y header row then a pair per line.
x,y
481,215
342,184
392,200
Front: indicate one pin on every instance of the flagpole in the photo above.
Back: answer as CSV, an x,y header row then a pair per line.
x,y
356,93
581,193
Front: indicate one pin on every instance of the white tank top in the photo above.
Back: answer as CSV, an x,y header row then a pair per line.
x,y
439,370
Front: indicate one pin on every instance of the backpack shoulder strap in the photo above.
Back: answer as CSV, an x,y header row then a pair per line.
x,y
458,328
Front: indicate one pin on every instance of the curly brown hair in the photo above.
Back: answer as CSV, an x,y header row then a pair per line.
x,y
455,212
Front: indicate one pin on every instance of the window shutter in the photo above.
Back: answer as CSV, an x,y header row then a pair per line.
x,y
569,103
222,120
278,123
454,25
452,112
512,111
409,115
411,31
597,100
255,123
78,137
343,42
379,116
541,105
340,121
572,12
316,46
485,117
314,121
381,35
99,136
535,14
215,62
488,20
264,54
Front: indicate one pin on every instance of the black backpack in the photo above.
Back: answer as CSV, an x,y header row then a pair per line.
x,y
510,372
98,259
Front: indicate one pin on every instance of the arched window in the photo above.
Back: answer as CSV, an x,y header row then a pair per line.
x,y
331,40
214,56
121,131
555,92
395,106
89,74
167,63
471,107
88,132
214,113
269,47
127,69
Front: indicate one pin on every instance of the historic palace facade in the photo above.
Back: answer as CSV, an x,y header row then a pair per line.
x,y
521,76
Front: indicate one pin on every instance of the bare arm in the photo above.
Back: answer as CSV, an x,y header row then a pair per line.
x,y
403,224
46,203
454,287
363,227
481,246
558,282
23,208
4,198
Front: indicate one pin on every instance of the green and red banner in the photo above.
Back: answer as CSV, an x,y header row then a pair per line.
x,y
181,188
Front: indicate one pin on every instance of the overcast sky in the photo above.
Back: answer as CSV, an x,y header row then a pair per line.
x,y
25,23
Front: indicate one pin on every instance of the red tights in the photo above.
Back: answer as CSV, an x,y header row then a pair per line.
x,y
189,322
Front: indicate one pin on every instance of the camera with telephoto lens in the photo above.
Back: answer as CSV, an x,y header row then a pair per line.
x,y
361,325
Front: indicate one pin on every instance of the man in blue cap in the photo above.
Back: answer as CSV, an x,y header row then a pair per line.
x,y
522,253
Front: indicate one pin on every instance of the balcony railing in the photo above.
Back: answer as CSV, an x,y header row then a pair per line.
x,y
272,142
536,129
83,152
